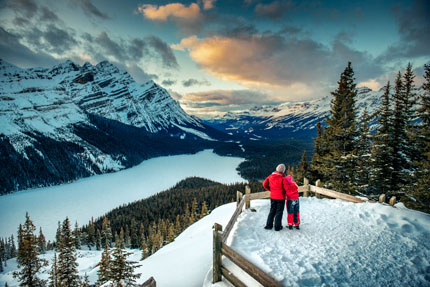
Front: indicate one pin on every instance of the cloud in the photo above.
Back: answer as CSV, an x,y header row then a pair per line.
x,y
170,11
195,82
11,50
168,82
111,47
91,10
164,51
414,28
275,10
208,4
48,16
289,66
59,40
27,8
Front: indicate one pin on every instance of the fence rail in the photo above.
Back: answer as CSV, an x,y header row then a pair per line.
x,y
220,248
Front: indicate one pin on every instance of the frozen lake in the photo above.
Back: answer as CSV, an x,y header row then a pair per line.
x,y
96,195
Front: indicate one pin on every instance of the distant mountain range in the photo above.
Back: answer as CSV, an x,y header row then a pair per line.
x,y
290,119
69,121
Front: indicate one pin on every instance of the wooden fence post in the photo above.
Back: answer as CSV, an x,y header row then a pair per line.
x,y
306,183
248,201
217,260
317,184
382,198
392,200
239,196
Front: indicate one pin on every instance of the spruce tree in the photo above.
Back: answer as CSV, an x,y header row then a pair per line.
x,y
409,98
104,272
320,150
382,148
53,275
28,260
67,262
398,144
363,147
121,270
338,165
86,281
1,264
302,171
145,249
98,240
421,194
134,238
41,242
204,210
106,232
77,236
91,239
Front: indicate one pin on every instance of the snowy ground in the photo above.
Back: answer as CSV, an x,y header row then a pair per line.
x,y
96,195
339,244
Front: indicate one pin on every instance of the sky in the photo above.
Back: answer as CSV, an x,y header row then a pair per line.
x,y
216,56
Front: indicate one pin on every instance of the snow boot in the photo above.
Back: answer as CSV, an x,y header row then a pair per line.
x,y
278,228
297,227
268,227
290,227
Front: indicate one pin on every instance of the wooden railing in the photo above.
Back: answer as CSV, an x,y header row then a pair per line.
x,y
220,248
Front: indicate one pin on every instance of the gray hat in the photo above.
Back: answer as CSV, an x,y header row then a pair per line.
x,y
280,168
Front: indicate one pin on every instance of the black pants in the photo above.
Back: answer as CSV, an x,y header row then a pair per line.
x,y
276,211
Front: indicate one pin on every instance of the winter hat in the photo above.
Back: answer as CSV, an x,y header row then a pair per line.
x,y
280,168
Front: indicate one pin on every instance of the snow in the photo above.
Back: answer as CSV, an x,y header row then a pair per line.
x,y
96,195
339,244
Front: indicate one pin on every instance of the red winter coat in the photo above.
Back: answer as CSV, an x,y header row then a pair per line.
x,y
277,184
293,190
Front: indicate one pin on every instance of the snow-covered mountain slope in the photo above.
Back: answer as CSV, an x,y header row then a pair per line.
x,y
71,121
339,244
290,119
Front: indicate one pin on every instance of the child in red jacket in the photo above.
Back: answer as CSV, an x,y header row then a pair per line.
x,y
292,196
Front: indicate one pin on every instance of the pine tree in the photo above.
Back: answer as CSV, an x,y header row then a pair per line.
x,y
86,281
398,144
338,165
58,235
204,210
421,194
106,232
382,152
104,272
409,98
98,240
122,271
145,249
53,275
28,260
91,240
67,262
1,264
134,238
77,236
302,171
364,143
41,242
320,150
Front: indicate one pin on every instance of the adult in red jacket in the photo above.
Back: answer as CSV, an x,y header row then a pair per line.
x,y
277,184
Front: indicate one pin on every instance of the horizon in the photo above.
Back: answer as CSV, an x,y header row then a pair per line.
x,y
214,56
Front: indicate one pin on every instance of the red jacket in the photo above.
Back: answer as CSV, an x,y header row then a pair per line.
x,y
293,190
277,184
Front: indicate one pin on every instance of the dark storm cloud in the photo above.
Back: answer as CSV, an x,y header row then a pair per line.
x,y
164,51
58,39
195,82
11,50
168,82
48,16
111,47
414,29
92,10
27,8
137,48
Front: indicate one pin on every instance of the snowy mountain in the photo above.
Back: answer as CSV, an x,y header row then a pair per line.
x,y
339,244
66,122
290,119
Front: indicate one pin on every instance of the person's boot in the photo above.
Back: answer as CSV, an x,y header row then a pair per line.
x,y
290,227
278,228
268,227
297,227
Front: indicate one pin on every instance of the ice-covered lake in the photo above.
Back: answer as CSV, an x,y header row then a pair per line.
x,y
96,195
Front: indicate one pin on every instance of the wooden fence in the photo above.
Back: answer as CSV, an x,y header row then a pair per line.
x,y
220,248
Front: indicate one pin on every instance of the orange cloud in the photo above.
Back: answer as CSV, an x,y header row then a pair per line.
x,y
172,10
208,4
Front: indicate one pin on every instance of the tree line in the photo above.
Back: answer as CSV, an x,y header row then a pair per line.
x,y
394,159
147,224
